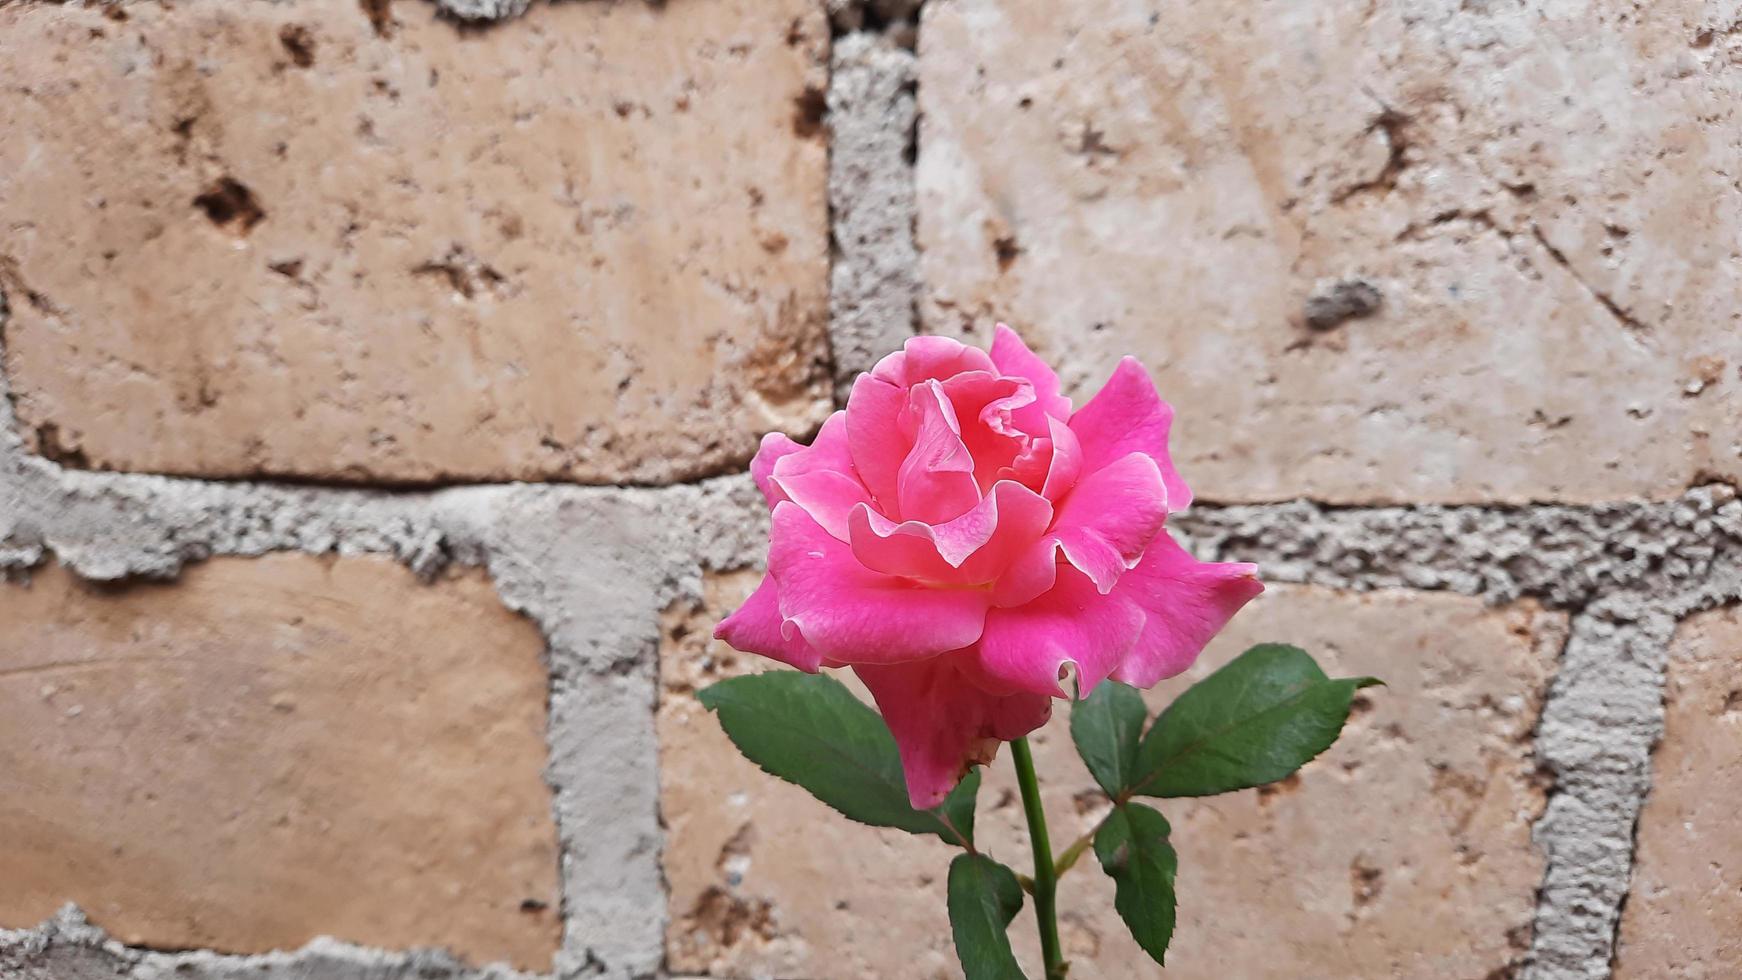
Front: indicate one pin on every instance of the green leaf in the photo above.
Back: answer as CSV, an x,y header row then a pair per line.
x,y
1261,717
1133,849
810,730
984,897
1107,727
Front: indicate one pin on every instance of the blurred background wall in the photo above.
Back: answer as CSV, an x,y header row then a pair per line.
x,y
293,294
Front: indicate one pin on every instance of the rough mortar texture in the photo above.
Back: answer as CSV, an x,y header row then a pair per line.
x,y
1539,198
68,947
874,281
234,249
1683,912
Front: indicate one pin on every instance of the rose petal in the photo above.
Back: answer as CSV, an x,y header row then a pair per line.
x,y
1013,357
1066,464
1024,648
1029,575
972,549
927,357
775,447
943,724
1127,416
1021,518
986,407
1186,602
851,614
757,628
1110,517
821,478
936,481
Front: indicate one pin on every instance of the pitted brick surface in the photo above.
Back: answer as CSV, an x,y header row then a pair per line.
x,y
276,749
1684,914
1392,252
295,239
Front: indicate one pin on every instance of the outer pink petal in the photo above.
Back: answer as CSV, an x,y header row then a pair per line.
x,y
1127,416
1021,517
1024,648
877,437
1111,516
936,482
756,628
1186,602
972,549
926,357
1013,357
775,447
909,549
821,479
943,723
1066,464
1030,575
851,614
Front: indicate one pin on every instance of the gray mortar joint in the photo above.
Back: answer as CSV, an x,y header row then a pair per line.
x,y
593,567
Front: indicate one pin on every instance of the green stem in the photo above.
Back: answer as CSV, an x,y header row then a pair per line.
x,y
1045,877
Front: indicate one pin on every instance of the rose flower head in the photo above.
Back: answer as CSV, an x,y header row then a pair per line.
x,y
963,540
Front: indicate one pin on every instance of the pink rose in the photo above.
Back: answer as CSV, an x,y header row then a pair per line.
x,y
958,536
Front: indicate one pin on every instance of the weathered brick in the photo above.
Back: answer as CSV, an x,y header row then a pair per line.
x,y
1404,851
273,749
766,881
1373,252
1683,916
302,239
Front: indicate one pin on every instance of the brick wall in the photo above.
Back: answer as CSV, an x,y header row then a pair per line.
x,y
297,681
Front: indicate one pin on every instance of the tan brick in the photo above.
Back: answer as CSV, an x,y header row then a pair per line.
x,y
766,881
1683,916
1405,851
281,239
1537,200
274,749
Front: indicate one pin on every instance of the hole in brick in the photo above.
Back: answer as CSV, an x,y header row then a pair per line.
x,y
1007,250
380,14
51,447
230,204
1282,787
1365,883
299,44
810,107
